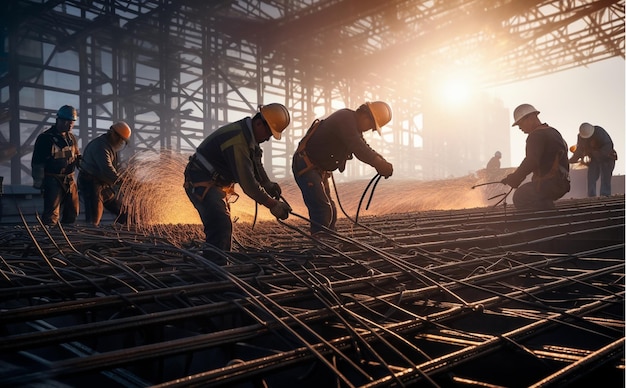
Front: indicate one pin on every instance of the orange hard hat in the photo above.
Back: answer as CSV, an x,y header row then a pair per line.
x,y
277,118
122,129
381,112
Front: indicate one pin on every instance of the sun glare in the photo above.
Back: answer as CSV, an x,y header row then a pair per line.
x,y
455,91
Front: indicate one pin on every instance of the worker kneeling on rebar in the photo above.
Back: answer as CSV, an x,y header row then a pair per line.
x,y
546,159
326,147
232,155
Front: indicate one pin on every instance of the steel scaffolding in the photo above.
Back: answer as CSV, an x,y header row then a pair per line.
x,y
177,69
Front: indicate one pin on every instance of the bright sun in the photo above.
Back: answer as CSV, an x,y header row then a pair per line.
x,y
455,91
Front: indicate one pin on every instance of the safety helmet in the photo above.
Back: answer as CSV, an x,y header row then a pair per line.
x,y
498,154
586,130
67,112
277,118
522,111
122,129
381,112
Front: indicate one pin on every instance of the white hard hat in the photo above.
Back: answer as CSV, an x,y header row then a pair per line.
x,y
522,111
586,130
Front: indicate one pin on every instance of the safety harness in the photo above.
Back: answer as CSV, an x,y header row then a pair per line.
x,y
301,151
558,174
214,176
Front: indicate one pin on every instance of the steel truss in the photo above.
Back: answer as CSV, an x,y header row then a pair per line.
x,y
176,70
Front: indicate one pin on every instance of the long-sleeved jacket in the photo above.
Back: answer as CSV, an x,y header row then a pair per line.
x,y
599,146
336,139
546,155
235,155
100,160
54,153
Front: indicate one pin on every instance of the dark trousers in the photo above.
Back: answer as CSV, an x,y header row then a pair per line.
x,y
214,211
315,187
98,196
60,199
602,169
540,194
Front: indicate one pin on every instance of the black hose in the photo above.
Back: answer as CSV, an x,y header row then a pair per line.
x,y
356,219
486,183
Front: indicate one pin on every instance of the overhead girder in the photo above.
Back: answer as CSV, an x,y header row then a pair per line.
x,y
204,53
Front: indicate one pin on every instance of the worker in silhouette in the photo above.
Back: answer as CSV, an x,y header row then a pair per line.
x,y
492,170
55,158
232,155
594,147
546,159
494,163
326,147
99,173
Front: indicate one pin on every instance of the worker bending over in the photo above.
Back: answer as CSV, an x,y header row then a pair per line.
x,y
326,147
232,155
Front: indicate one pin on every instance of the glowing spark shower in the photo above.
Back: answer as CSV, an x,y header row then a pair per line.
x,y
153,194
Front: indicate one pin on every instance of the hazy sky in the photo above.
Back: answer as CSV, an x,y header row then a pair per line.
x,y
593,94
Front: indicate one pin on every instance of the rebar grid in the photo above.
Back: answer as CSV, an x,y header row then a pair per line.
x,y
483,295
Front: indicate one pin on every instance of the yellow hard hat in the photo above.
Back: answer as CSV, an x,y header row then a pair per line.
x,y
122,129
381,112
277,118
522,111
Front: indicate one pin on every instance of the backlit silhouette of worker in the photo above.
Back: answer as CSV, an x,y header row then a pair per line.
x,y
594,147
99,173
326,147
55,158
546,159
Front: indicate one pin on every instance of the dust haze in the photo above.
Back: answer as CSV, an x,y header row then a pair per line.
x,y
152,189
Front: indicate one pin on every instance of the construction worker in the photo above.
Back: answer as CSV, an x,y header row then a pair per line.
x,y
546,159
99,172
55,157
326,147
594,147
493,173
494,162
232,155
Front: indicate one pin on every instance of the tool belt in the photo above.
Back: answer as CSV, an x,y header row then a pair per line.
x,y
192,186
301,151
214,179
229,190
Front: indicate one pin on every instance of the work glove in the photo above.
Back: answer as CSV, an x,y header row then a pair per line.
x,y
383,168
272,189
281,210
511,181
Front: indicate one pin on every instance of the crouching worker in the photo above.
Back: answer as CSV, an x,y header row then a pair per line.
x,y
232,155
99,172
546,159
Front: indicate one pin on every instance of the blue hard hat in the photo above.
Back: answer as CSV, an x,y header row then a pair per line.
x,y
67,112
